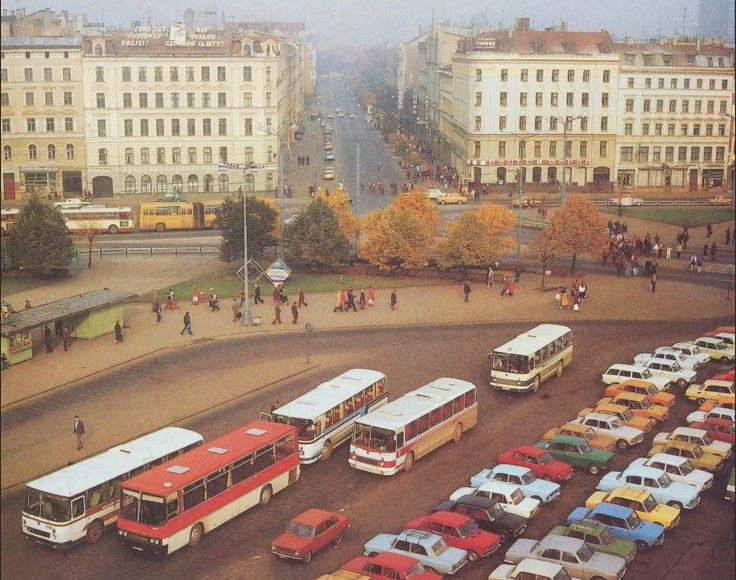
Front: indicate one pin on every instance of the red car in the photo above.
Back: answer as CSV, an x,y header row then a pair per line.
x,y
459,531
539,461
308,533
390,566
719,429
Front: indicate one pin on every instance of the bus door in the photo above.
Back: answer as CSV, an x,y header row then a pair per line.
x,y
198,209
148,217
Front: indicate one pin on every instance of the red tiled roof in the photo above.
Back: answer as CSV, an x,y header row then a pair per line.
x,y
553,42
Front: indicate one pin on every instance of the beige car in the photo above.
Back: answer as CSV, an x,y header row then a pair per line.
x,y
329,173
448,197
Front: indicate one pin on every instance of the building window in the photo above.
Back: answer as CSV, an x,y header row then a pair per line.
x,y
206,100
158,74
221,76
604,123
28,75
476,148
538,99
671,130
586,99
31,125
686,83
247,99
584,124
660,83
570,99
143,100
205,72
223,155
174,74
144,127
51,151
707,153
682,153
501,123
191,127
6,125
724,84
673,106
696,129
99,74
645,129
477,123
48,75
192,183
712,84
127,100
222,126
128,127
695,154
538,123
160,132
30,99
174,100
522,99
709,129
102,156
658,129
248,155
669,154
159,100
673,83
145,157
207,153
221,99
647,105
161,155
553,123
129,160
503,99
129,184
48,98
568,149
177,184
524,75
70,152
720,153
571,76
7,152
161,184
721,130
100,100
553,99
32,152
660,106
502,149
126,74
146,184
553,149
478,99
683,129
583,149
268,74
66,74
176,155
586,76
190,100
685,106
248,129
190,74
247,73
606,76
101,128
603,149
224,184
629,105
69,124
142,74
643,154
175,127
537,149
540,75
555,75
206,126
522,123
627,154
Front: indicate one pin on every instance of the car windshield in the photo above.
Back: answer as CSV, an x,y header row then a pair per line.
x,y
510,363
649,503
606,537
495,511
698,451
664,480
645,404
721,345
561,575
675,367
707,439
545,458
153,510
627,415
646,374
439,547
517,497
47,506
584,448
694,350
615,423
468,528
303,530
633,521
528,478
585,553
686,468
415,572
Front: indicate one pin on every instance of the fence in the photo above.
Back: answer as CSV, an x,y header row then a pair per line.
x,y
660,202
201,250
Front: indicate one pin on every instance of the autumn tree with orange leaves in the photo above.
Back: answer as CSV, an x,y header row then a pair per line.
x,y
578,228
478,238
339,201
545,249
401,235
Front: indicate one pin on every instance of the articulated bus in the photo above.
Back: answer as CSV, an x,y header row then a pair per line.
x,y
78,501
524,362
324,416
176,503
179,215
9,217
392,438
102,218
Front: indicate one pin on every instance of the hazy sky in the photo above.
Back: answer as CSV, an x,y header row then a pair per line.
x,y
366,21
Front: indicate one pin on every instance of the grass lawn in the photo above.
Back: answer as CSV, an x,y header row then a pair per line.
x,y
676,216
18,285
227,284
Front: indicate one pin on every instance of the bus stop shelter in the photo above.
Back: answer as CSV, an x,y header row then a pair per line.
x,y
86,316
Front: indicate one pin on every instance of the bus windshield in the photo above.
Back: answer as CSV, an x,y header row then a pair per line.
x,y
47,506
374,438
142,508
304,427
510,363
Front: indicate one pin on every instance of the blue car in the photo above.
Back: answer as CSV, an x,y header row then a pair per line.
x,y
430,549
623,522
529,484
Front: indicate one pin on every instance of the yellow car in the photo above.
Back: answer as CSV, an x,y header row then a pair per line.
x,y
344,575
526,202
698,457
448,197
329,173
595,440
710,390
639,405
623,413
641,501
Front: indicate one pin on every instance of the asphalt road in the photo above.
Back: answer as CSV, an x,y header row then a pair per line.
x,y
702,546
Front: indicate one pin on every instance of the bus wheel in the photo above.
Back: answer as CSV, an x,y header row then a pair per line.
x,y
560,368
535,388
458,434
216,225
160,227
326,451
409,461
94,532
266,494
113,229
195,534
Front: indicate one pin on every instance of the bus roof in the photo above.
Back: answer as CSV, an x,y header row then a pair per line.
x,y
78,478
93,209
531,341
328,395
412,405
201,461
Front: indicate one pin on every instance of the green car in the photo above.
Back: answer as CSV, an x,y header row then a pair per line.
x,y
578,453
598,537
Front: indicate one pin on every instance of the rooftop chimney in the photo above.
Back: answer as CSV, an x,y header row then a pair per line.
x,y
663,40
564,26
697,44
500,25
630,40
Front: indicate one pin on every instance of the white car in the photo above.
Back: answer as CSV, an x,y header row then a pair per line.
x,y
670,354
715,348
678,468
611,426
509,497
626,200
716,412
618,373
698,436
690,349
434,194
672,371
71,203
530,568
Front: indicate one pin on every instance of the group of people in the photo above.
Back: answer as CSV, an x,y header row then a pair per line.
x,y
303,159
576,295
345,300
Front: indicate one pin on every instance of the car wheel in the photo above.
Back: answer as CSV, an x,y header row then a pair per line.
x,y
725,360
653,421
307,557
503,535
472,555
537,382
160,227
641,546
338,538
326,451
700,401
593,469
94,532
430,570
458,434
409,461
597,578
113,229
459,202
442,202
216,225
675,504
560,369
266,495
682,383
195,534
622,444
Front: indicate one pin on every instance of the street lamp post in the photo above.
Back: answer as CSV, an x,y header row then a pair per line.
x,y
281,196
522,148
247,317
565,121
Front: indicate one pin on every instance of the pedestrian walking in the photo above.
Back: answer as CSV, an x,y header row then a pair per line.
x,y
47,339
154,300
338,302
505,290
158,313
78,431
302,300
275,405
466,290
576,302
701,259
669,252
65,337
295,312
693,262
361,300
564,302
307,160
277,313
706,250
728,236
655,266
517,276
187,324
371,296
242,296
236,310
635,266
195,295
118,332
709,230
257,296
276,295
28,305
713,251
489,278
653,283
394,302
351,299
678,249
512,287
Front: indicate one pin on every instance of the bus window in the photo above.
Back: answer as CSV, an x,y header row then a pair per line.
x,y
349,407
193,494
368,394
458,404
422,424
172,506
446,411
242,469
399,441
411,430
264,457
469,398
380,387
217,482
567,340
359,400
284,448
77,507
435,417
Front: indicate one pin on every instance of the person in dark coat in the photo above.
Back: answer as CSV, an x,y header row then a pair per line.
x,y
78,431
257,297
119,332
187,324
47,339
65,337
466,290
277,313
295,312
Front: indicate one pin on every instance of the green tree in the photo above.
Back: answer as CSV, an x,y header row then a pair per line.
x,y
389,123
578,228
40,241
315,237
262,218
545,249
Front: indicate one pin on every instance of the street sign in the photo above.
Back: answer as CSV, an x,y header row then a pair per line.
x,y
277,272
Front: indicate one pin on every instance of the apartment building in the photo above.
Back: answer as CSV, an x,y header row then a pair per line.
x,y
166,109
674,114
42,110
514,92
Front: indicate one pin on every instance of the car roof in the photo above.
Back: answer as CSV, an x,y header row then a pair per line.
x,y
631,396
600,417
561,543
449,518
529,450
586,525
718,421
634,493
567,440
476,501
538,567
613,407
312,517
500,486
667,458
645,471
393,560
637,382
510,469
690,431
612,509
679,444
420,537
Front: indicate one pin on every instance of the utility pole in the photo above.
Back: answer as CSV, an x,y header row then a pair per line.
x,y
247,317
357,180
522,147
281,195
563,189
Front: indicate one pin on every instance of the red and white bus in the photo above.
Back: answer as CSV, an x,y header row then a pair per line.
x,y
77,502
103,219
391,438
176,503
9,217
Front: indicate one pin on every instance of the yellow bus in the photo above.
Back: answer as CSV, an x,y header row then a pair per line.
x,y
179,215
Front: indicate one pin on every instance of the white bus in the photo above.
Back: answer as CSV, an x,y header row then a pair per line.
x,y
103,219
324,416
524,362
77,502
393,437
